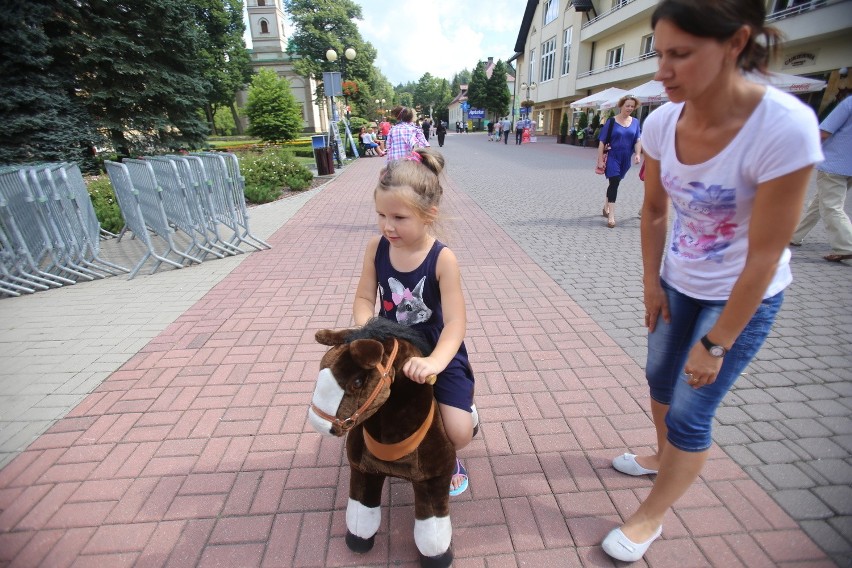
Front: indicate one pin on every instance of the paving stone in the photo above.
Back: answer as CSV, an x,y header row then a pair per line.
x,y
772,452
827,538
830,407
796,410
837,471
764,412
838,497
807,427
786,476
821,448
755,396
803,503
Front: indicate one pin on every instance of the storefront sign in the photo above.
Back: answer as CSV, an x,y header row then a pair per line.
x,y
801,59
476,113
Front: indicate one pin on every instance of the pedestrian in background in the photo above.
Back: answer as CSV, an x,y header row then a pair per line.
x,y
427,128
405,136
498,131
622,132
734,158
519,131
834,176
507,129
441,132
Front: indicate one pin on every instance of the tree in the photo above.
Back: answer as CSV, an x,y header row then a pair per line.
x,y
136,68
498,96
38,120
224,54
477,90
323,24
274,113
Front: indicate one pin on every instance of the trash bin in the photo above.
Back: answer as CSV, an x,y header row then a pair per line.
x,y
323,155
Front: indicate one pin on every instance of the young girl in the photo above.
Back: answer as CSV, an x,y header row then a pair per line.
x,y
419,285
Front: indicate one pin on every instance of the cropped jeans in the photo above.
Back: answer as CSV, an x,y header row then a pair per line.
x,y
690,416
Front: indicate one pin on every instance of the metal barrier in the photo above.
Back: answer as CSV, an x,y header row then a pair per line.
x,y
46,236
50,235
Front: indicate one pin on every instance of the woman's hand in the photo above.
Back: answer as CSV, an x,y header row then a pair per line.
x,y
701,368
636,158
656,305
418,369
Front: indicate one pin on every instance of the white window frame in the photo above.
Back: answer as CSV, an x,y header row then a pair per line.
x,y
531,73
567,36
551,10
647,46
548,59
614,57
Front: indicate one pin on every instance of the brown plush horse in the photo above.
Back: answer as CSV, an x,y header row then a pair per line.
x,y
394,429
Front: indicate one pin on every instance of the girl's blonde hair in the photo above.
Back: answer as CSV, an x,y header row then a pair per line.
x,y
421,172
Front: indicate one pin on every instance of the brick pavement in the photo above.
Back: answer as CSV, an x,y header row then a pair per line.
x,y
195,452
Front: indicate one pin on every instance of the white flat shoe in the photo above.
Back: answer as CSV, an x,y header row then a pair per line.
x,y
626,463
622,548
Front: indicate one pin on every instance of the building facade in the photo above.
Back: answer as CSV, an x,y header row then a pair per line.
x,y
269,51
568,49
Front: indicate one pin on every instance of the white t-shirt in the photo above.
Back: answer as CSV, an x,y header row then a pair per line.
x,y
713,200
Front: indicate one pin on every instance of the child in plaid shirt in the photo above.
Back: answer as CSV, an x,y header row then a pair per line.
x,y
404,136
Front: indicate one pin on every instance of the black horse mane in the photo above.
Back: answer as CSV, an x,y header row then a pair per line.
x,y
381,329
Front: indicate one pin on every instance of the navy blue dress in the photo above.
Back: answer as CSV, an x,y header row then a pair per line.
x,y
414,299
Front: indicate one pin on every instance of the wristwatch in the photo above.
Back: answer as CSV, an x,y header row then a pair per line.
x,y
714,350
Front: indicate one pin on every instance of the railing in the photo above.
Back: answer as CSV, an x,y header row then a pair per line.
x,y
796,10
618,6
621,63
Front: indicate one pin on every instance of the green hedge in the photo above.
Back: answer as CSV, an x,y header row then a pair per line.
x,y
103,200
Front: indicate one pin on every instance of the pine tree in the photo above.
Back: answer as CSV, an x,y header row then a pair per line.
x,y
273,111
39,122
499,96
477,90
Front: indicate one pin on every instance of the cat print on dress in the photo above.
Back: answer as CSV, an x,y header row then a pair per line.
x,y
410,308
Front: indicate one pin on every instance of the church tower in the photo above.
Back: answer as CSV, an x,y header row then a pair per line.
x,y
266,20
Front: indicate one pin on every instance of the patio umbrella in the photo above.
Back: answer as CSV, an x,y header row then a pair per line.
x,y
788,83
596,99
647,93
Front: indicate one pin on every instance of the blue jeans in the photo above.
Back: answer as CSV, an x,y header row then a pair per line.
x,y
690,416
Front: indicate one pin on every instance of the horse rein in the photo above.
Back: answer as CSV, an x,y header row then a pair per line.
x,y
386,377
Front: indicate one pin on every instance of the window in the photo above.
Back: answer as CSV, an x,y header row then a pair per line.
x,y
531,77
551,10
647,48
264,27
548,59
614,57
261,2
566,50
781,5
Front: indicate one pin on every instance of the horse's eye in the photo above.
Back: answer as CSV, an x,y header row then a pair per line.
x,y
358,383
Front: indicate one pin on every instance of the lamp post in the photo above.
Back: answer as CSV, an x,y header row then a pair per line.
x,y
331,55
380,106
528,87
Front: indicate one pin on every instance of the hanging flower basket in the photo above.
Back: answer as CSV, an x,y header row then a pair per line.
x,y
529,103
350,88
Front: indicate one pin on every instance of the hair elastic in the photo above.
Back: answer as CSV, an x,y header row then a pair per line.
x,y
414,157
399,116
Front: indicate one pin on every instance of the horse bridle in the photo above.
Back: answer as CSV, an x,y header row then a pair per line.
x,y
385,378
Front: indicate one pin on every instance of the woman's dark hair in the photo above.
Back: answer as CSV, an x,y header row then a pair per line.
x,y
720,19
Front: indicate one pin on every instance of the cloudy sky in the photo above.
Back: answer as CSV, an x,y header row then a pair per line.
x,y
440,37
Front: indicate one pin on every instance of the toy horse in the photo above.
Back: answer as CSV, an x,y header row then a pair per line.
x,y
394,429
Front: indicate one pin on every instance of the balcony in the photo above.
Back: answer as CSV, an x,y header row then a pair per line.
x,y
642,67
624,14
813,20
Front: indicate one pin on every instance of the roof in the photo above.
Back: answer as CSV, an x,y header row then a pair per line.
x,y
525,26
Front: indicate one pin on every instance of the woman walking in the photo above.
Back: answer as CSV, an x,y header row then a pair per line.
x,y
734,158
622,132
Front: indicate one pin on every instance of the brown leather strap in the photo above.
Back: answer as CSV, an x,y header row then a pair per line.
x,y
386,377
393,452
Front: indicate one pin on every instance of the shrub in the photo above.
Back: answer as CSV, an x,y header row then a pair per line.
x,y
267,174
106,207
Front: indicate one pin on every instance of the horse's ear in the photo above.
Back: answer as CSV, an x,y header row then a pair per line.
x,y
331,336
367,352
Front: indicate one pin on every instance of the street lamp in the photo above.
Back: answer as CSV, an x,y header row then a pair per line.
x,y
350,54
380,106
331,55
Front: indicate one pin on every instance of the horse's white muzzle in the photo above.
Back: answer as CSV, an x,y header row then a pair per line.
x,y
327,397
